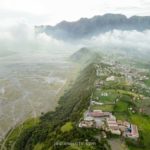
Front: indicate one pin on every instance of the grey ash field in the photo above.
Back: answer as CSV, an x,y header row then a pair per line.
x,y
29,89
118,86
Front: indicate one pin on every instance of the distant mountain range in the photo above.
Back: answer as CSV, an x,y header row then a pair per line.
x,y
85,28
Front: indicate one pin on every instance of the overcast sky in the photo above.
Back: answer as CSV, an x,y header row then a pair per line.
x,y
36,12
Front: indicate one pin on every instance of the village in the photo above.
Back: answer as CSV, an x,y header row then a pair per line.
x,y
96,116
107,122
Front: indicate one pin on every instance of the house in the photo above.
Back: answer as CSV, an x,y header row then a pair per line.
x,y
111,78
132,132
113,126
121,125
119,122
115,130
96,103
87,124
104,94
88,118
122,128
100,114
97,115
97,84
126,124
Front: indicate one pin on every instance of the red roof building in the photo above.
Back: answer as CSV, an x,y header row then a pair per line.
x,y
99,114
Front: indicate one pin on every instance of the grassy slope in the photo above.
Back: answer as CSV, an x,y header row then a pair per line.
x,y
147,82
14,134
67,127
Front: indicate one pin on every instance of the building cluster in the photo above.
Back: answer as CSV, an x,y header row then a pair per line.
x,y
130,73
108,123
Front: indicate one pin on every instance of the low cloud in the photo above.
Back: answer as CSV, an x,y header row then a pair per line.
x,y
23,36
21,42
116,39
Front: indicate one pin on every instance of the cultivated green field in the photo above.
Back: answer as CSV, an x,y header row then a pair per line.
x,y
106,107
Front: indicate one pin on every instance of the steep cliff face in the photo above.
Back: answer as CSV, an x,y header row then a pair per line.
x,y
85,27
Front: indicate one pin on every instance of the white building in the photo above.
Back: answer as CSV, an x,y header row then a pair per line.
x,y
111,78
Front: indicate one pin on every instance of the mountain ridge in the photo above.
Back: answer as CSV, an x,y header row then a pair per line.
x,y
88,27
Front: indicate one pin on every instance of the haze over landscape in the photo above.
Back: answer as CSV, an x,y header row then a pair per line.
x,y
45,45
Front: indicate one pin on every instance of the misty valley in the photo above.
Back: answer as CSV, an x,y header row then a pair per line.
x,y
29,86
82,85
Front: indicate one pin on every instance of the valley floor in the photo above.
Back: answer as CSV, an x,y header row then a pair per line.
x,y
80,121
